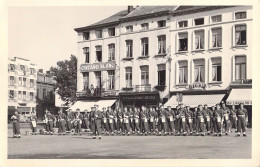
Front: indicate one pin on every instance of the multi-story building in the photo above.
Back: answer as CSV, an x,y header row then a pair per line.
x,y
22,75
45,92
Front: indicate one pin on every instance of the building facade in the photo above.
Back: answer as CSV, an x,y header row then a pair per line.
x,y
22,76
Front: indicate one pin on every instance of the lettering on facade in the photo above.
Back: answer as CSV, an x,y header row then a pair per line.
x,y
97,67
238,102
145,97
197,86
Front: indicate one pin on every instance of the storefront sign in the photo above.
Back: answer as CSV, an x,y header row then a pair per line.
x,y
110,93
139,97
97,67
238,102
197,86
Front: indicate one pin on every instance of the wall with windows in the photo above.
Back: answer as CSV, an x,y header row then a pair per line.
x,y
216,51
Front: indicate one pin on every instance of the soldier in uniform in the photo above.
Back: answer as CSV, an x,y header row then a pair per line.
x,y
77,122
45,119
170,116
200,121
208,115
217,116
162,121
152,118
112,117
69,120
136,120
242,117
131,119
120,116
182,117
97,117
144,120
50,122
33,122
16,124
62,121
189,119
92,122
86,120
233,117
212,119
126,116
195,119
104,123
226,113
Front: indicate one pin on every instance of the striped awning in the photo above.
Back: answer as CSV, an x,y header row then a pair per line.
x,y
238,96
195,100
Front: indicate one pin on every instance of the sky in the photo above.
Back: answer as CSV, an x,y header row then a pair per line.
x,y
45,35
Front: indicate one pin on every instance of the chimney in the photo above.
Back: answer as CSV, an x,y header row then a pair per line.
x,y
40,70
130,9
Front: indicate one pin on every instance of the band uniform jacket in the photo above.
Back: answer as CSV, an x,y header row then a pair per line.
x,y
70,117
242,112
97,114
200,113
15,118
62,116
144,114
218,113
162,113
33,118
189,114
112,114
137,114
51,117
181,112
170,114
78,118
120,115
208,113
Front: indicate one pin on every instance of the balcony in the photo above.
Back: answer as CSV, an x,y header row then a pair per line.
x,y
143,88
96,93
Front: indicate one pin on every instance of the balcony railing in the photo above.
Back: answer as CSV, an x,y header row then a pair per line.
x,y
143,88
96,92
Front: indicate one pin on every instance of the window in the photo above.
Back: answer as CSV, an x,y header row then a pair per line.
x,y
145,47
199,71
144,75
216,69
240,68
161,23
240,15
98,33
32,71
31,95
183,24
20,81
183,41
199,21
86,36
129,48
11,80
161,44
20,95
240,36
86,52
128,77
145,26
216,37
161,74
183,72
111,52
199,39
31,83
98,79
24,81
12,67
24,95
111,79
22,67
85,80
215,19
11,94
111,31
129,28
99,53
44,93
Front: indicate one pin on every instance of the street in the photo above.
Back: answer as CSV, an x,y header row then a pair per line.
x,y
128,147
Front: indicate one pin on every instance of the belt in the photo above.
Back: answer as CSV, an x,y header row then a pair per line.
x,y
241,115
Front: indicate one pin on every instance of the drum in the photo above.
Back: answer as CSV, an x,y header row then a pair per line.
x,y
208,118
218,119
183,119
34,123
151,119
145,119
171,118
163,119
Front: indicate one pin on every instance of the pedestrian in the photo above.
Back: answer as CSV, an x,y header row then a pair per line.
x,y
136,120
182,117
207,116
77,122
104,122
217,115
200,121
226,113
120,117
152,117
170,116
195,119
126,116
50,121
97,117
45,119
69,120
33,122
162,126
212,119
61,121
144,120
233,118
189,119
86,120
16,124
131,119
242,117
112,119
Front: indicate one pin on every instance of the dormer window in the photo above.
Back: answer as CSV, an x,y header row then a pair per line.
x,y
98,33
161,23
111,31
199,21
129,28
86,36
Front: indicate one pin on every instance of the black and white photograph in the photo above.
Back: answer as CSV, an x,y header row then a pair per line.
x,y
130,82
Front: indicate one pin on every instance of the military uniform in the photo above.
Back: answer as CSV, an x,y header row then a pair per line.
x,y
137,120
33,124
86,121
195,120
78,122
112,120
62,119
104,122
226,113
126,116
233,118
16,125
69,120
241,123
207,117
97,117
170,116
152,119
189,120
50,122
200,121
217,115
162,121
144,121
120,125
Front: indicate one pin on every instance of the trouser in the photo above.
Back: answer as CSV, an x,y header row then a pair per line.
x,y
162,125
126,126
226,125
78,127
111,124
190,124
152,126
136,124
86,123
96,127
241,124
49,126
183,124
211,124
34,129
170,125
62,126
119,124
178,125
144,126
207,122
217,126
16,128
104,125
68,125
233,122
194,124
200,125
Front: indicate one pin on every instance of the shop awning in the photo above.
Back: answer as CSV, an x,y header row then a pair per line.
x,y
195,100
86,105
238,96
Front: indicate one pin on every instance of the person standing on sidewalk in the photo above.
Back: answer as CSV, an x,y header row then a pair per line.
x,y
233,117
162,121
152,118
77,122
170,116
33,122
69,120
144,120
97,117
189,119
16,124
126,116
208,114
112,116
86,120
136,120
50,122
61,121
217,115
242,117
120,116
200,121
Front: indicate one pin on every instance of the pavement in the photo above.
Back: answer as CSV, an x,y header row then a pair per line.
x,y
128,147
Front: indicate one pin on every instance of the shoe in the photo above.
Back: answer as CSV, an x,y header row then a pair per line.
x,y
80,134
220,135
197,134
244,135
128,134
75,133
226,134
19,136
94,137
145,134
63,134
99,137
237,135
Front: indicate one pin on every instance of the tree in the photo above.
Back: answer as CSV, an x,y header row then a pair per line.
x,y
65,75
